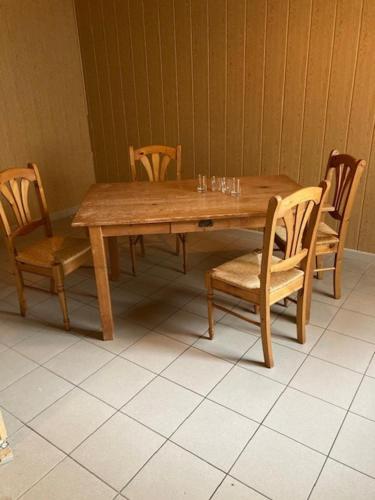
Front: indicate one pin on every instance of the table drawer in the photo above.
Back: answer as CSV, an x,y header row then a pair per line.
x,y
216,224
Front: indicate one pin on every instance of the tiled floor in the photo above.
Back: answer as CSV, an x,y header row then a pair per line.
x,y
162,413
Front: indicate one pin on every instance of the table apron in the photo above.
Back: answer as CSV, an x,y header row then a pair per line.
x,y
193,226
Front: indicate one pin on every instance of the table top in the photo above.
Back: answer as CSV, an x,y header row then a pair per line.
x,y
126,203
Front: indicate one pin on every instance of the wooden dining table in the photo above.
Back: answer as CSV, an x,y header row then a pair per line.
x,y
169,207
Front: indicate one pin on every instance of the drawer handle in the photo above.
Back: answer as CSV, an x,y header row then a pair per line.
x,y
206,223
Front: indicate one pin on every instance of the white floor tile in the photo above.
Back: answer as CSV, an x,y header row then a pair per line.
x,y
117,382
327,381
306,419
364,401
33,393
45,345
355,325
228,343
247,393
154,351
338,482
33,458
360,302
215,434
371,369
199,306
164,478
291,468
118,450
284,332
71,419
13,366
70,481
184,326
355,444
345,351
150,314
79,361
231,489
198,371
12,423
16,328
126,334
287,361
162,405
321,313
175,294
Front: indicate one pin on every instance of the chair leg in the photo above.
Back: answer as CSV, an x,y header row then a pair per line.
x,y
20,290
265,326
337,277
301,315
177,244
319,263
59,280
142,242
52,286
132,243
211,322
184,253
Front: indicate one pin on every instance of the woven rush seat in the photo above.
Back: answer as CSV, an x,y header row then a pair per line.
x,y
56,249
244,272
326,234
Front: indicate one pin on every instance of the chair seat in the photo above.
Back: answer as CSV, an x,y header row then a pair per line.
x,y
244,272
326,235
52,250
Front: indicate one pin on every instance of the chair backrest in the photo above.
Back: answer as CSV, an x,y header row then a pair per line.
x,y
155,160
344,173
15,213
299,213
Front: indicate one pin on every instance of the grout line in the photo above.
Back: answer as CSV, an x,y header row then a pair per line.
x,y
339,431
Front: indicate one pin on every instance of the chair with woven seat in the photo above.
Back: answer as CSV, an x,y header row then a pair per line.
x,y
155,161
51,256
264,279
344,173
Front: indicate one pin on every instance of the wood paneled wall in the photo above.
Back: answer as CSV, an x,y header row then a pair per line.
x,y
43,114
246,86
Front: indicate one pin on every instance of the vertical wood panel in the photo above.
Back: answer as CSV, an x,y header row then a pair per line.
x,y
235,85
323,23
151,21
129,100
169,72
111,167
42,101
185,85
277,28
295,84
254,80
138,44
361,122
217,33
200,84
117,94
342,76
246,86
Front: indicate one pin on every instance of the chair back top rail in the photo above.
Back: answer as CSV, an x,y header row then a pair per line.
x,y
344,173
15,200
300,213
155,160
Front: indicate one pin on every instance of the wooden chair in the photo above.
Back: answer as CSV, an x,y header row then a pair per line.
x,y
155,160
344,174
262,278
51,256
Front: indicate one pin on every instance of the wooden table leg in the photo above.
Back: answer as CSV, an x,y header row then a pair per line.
x,y
114,258
102,283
